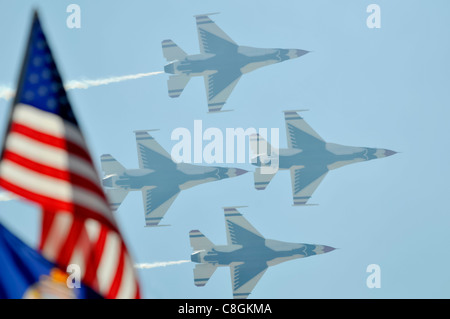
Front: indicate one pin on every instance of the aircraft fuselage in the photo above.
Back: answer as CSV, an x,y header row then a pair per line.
x,y
270,252
238,60
182,176
329,155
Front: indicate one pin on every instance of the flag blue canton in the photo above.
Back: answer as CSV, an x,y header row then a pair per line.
x,y
41,85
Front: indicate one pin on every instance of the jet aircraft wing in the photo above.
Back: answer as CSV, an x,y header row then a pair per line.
x,y
211,38
245,276
151,155
157,201
304,182
202,273
219,86
300,135
239,230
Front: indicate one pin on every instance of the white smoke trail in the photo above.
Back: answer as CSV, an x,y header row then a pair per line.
x,y
4,197
7,93
85,84
160,264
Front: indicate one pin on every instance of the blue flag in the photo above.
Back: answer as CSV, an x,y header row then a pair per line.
x,y
25,273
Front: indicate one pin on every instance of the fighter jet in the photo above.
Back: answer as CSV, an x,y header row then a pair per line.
x,y
308,157
221,62
159,178
247,253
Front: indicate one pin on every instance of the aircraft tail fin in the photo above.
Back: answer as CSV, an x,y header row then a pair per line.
x,y
172,51
199,241
202,273
176,84
110,165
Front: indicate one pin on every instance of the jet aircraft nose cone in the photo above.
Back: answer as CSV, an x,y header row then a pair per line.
x,y
389,152
327,249
301,52
240,171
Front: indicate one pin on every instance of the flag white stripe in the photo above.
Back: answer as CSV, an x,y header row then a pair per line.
x,y
109,262
47,123
36,182
93,230
57,235
80,253
78,258
52,187
50,156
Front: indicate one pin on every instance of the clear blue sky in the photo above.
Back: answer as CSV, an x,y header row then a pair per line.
x,y
386,88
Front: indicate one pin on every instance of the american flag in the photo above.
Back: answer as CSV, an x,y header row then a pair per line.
x,y
45,160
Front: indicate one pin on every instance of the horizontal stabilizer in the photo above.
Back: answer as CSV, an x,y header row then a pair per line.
x,y
116,197
199,241
202,273
176,85
110,165
171,51
261,179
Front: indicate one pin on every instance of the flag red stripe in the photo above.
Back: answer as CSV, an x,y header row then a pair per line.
x,y
68,247
95,257
54,172
114,289
51,140
57,205
48,218
138,293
